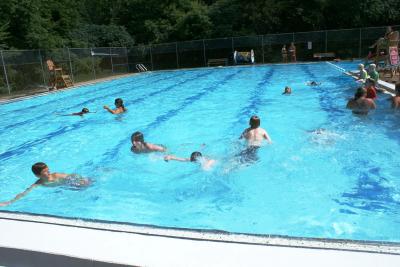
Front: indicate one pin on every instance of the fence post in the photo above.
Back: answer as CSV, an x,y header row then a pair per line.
x,y
204,54
151,58
41,64
92,55
70,65
127,60
233,46
360,44
112,66
293,40
177,58
5,72
262,46
326,41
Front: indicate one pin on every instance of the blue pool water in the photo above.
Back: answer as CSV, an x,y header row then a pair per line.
x,y
343,183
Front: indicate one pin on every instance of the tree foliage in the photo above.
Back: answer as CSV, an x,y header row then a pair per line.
x,y
50,23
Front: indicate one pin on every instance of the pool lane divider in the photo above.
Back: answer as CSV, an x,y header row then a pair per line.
x,y
19,150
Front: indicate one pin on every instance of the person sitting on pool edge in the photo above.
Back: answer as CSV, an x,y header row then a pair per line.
x,y
119,104
287,91
195,157
140,146
396,98
363,75
41,171
360,104
255,134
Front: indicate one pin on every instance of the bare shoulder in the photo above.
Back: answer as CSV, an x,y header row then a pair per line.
x,y
59,175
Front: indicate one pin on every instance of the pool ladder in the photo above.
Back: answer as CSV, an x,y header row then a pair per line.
x,y
141,68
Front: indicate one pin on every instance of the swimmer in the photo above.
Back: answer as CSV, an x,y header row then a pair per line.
x,y
41,171
360,104
324,137
195,157
140,146
255,134
371,89
120,108
84,111
287,91
396,98
313,83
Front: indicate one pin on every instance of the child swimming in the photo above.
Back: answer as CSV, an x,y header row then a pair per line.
x,y
255,134
287,91
119,104
195,157
140,146
41,171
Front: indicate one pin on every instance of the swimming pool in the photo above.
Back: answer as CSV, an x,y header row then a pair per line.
x,y
343,183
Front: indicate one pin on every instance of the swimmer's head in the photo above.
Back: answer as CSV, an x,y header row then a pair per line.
x,y
360,93
40,169
288,90
360,66
85,110
119,102
195,156
137,137
397,88
254,122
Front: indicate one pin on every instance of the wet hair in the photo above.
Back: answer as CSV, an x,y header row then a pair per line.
x,y
372,66
119,103
38,167
361,66
397,88
195,156
85,110
359,93
138,137
254,122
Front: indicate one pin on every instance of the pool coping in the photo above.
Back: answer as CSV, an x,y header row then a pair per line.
x,y
380,247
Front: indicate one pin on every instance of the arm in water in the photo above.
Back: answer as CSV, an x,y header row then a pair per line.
x,y
20,195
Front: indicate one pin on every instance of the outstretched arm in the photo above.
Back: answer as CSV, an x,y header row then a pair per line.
x,y
109,110
6,203
266,136
172,157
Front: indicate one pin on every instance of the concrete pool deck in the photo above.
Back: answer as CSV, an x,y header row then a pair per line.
x,y
31,240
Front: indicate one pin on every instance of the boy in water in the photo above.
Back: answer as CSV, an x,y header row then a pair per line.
x,y
255,134
287,91
195,157
396,98
45,178
140,146
360,104
119,104
84,111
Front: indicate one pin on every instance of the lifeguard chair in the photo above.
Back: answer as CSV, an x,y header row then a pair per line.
x,y
243,57
57,78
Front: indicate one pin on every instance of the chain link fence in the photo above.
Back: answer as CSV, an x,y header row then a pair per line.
x,y
26,71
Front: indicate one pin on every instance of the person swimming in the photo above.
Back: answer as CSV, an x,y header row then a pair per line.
x,y
254,135
287,91
195,157
45,178
140,146
360,104
313,83
119,104
84,111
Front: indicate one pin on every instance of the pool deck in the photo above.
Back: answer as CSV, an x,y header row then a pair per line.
x,y
31,240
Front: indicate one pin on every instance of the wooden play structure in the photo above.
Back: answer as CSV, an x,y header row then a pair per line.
x,y
57,77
